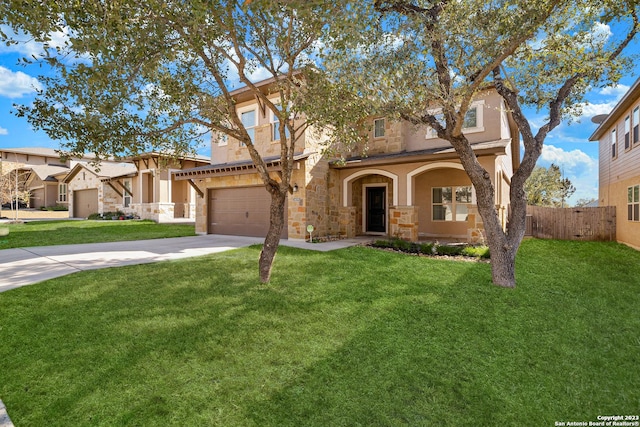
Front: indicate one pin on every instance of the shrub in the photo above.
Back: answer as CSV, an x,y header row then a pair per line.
x,y
55,208
449,250
427,248
481,251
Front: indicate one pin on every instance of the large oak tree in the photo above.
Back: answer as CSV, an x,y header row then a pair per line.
x,y
425,61
134,76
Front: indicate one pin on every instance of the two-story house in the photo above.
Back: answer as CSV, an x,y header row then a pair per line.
x,y
411,183
618,135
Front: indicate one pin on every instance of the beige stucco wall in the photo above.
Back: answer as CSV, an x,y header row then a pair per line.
x,y
43,194
627,232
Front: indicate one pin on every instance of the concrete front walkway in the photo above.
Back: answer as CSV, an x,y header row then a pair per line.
x,y
25,266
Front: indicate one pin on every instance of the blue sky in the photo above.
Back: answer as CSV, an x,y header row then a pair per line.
x,y
567,146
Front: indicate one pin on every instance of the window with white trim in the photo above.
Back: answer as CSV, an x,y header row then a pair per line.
x,y
451,203
249,118
613,143
636,124
378,128
633,203
627,132
473,120
62,192
126,196
275,127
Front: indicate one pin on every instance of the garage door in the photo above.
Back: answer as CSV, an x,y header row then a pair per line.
x,y
85,203
240,211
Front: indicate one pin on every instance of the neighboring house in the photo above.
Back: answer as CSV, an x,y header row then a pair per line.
x,y
45,185
410,185
40,172
89,194
153,192
618,135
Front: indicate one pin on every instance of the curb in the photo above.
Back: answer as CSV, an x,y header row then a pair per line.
x,y
5,421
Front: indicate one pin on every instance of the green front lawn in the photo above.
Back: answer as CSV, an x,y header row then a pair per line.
x,y
356,337
47,233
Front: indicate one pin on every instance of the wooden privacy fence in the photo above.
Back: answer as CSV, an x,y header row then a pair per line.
x,y
572,223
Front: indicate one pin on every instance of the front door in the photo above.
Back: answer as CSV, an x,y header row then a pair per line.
x,y
376,210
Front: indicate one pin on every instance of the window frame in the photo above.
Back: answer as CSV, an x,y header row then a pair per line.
x,y
251,130
275,126
62,195
452,203
627,133
633,203
613,135
478,106
375,128
635,124
126,195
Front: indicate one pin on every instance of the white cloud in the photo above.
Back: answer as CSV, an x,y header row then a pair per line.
x,y
589,110
569,159
28,46
618,91
3,131
580,168
600,32
17,84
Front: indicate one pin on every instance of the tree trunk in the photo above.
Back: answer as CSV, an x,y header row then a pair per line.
x,y
503,264
272,241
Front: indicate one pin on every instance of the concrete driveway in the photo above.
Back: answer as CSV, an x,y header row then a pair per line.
x,y
25,266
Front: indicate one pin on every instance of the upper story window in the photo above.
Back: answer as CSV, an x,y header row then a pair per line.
x,y
636,124
473,120
627,132
249,118
275,127
613,143
223,139
378,128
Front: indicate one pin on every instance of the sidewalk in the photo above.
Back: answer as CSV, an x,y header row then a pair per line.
x,y
26,266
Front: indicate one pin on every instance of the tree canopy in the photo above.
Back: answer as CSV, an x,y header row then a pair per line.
x,y
426,61
547,187
130,76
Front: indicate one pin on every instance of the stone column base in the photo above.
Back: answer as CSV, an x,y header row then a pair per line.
x,y
403,222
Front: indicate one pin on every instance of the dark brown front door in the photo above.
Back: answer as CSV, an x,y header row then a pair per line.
x,y
376,218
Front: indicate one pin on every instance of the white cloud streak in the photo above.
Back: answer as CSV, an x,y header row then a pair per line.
x,y
17,84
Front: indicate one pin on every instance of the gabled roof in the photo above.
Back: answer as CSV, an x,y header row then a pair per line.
x,y
104,170
49,172
621,107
